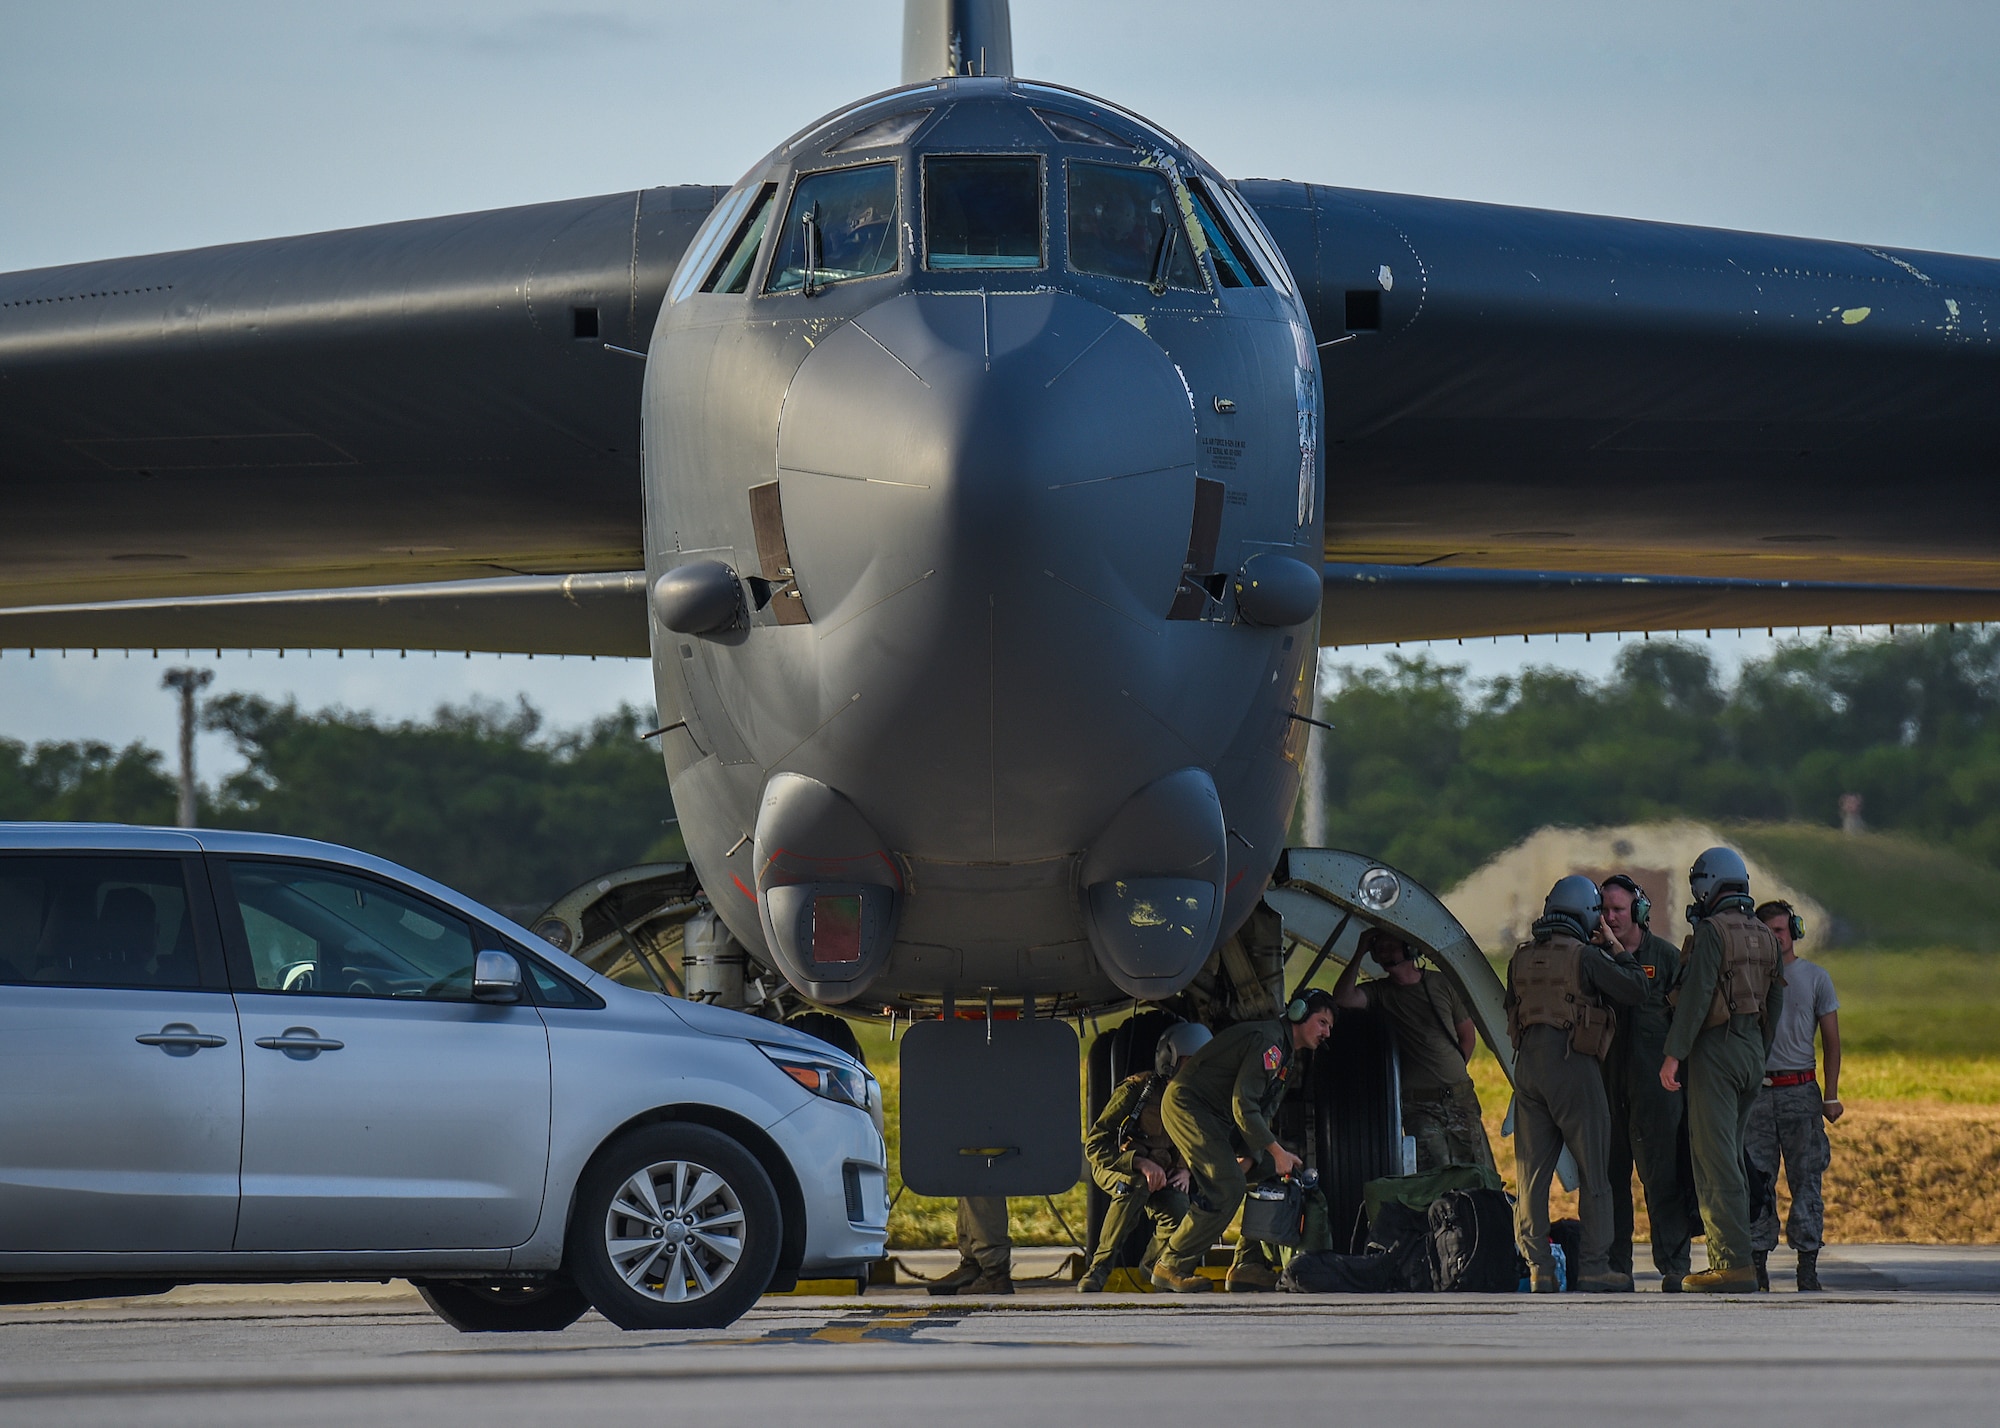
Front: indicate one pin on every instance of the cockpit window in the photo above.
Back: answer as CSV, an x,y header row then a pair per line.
x,y
1072,130
883,132
1246,224
982,211
1124,223
1233,267
732,269
841,226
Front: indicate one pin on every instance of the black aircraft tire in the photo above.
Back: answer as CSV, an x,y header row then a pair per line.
x,y
833,1030
744,1189
495,1306
1353,1081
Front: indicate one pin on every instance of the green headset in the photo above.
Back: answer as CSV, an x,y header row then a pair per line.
x,y
1794,924
1642,906
1306,1003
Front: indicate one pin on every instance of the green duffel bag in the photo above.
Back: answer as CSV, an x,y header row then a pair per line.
x,y
1420,1192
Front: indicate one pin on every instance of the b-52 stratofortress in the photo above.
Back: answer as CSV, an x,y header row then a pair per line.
x,y
981,474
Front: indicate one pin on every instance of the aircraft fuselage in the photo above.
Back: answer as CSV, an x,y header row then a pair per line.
x,y
1003,456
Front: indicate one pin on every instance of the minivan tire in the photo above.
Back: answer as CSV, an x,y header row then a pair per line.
x,y
498,1306
738,1208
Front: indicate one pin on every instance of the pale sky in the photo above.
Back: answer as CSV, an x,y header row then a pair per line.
x,y
139,127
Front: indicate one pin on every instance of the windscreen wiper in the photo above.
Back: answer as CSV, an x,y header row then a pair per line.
x,y
810,221
1162,259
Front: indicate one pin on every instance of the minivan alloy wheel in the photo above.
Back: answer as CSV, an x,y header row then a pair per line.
x,y
675,1226
674,1230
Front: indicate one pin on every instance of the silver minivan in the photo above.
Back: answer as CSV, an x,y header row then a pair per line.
x,y
245,1057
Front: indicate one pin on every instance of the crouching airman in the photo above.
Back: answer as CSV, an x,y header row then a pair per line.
x,y
1135,1162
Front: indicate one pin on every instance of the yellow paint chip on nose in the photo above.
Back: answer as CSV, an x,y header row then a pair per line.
x,y
1855,314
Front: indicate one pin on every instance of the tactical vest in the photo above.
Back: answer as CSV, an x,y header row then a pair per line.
x,y
1148,1136
1545,988
1750,965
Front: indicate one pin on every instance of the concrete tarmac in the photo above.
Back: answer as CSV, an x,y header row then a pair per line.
x,y
1869,1351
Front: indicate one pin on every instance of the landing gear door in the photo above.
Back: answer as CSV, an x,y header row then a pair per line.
x,y
1314,888
990,1108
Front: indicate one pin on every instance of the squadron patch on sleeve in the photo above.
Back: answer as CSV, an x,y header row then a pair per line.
x,y
1274,1058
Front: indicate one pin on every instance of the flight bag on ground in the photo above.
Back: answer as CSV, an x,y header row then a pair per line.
x,y
1397,1261
1420,1191
1472,1243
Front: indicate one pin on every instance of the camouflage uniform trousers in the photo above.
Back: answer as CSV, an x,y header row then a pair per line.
x,y
1790,1122
1448,1128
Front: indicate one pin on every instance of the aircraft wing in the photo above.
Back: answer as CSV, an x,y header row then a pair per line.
x,y
1782,426
1535,421
421,403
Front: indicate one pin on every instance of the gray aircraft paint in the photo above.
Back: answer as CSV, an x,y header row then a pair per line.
x,y
988,481
967,709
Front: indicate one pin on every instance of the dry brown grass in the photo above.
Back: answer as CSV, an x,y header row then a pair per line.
x,y
1921,1170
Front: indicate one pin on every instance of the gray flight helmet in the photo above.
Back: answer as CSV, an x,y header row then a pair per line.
x,y
1178,1042
1717,873
1576,903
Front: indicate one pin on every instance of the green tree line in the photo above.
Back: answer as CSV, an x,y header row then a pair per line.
x,y
1426,767
1436,772
478,796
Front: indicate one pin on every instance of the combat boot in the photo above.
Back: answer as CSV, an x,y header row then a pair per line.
x,y
1093,1282
1761,1259
1670,1284
1809,1273
967,1273
1544,1281
1741,1280
1165,1278
1000,1282
1251,1279
1605,1281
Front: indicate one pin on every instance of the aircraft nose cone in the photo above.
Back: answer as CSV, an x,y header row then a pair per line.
x,y
988,500
997,434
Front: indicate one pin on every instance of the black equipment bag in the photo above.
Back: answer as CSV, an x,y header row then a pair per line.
x,y
1398,1260
1472,1243
1274,1213
1330,1273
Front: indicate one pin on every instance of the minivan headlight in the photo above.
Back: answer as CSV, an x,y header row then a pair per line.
x,y
824,1076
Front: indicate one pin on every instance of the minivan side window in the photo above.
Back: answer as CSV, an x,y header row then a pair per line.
x,y
318,931
84,920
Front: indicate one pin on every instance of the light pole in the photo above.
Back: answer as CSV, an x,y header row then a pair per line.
x,y
187,683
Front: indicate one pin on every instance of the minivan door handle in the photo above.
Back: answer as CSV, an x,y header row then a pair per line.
x,y
177,1038
301,1043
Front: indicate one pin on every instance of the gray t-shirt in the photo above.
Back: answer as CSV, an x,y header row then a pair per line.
x,y
1808,997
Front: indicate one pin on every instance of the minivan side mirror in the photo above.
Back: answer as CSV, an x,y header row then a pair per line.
x,y
496,977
